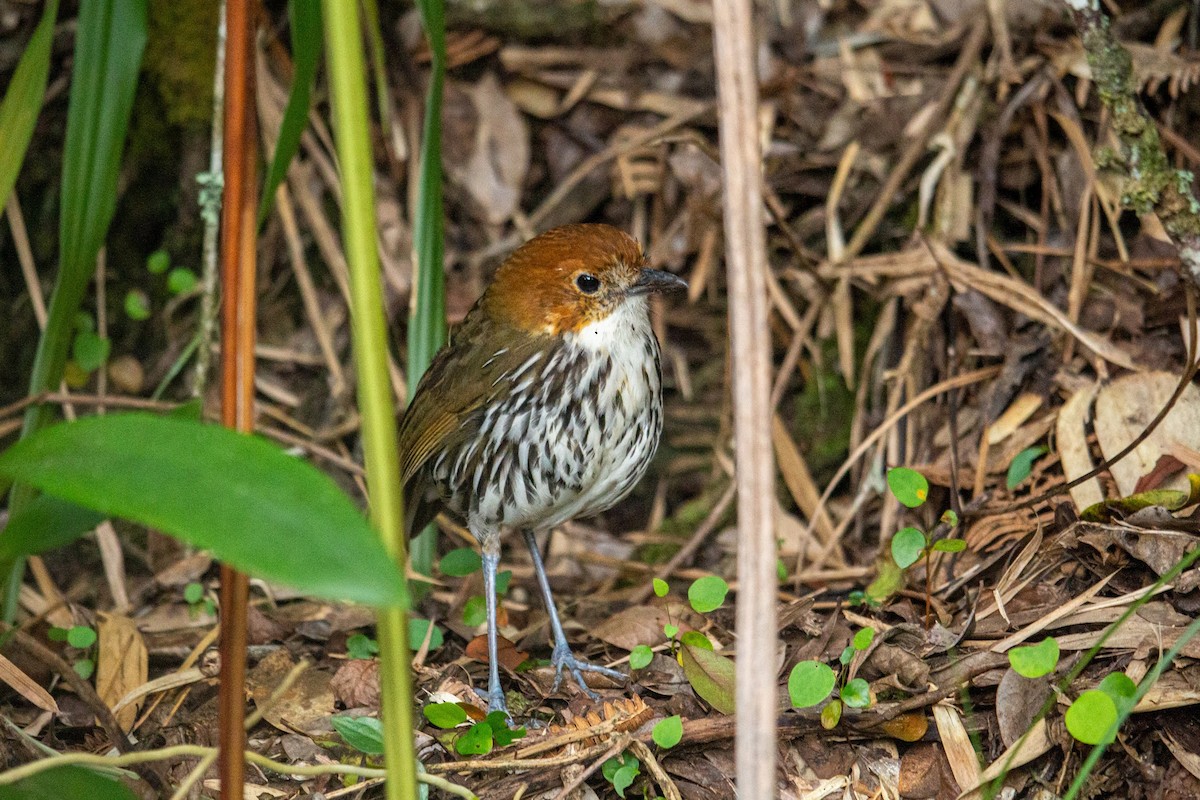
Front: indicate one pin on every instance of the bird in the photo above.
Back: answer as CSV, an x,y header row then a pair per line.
x,y
544,406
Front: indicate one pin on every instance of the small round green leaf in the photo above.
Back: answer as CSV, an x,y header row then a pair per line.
x,y
863,638
809,683
668,732
417,628
445,715
475,611
640,656
84,668
90,350
158,262
361,646
670,630
950,518
460,563
1091,717
707,593
193,592
81,636
137,305
661,587
950,545
857,693
476,741
1035,660
181,280
364,734
1121,688
907,546
623,778
908,486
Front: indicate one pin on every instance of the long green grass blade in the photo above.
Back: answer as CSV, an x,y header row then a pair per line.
x,y
23,100
427,328
306,55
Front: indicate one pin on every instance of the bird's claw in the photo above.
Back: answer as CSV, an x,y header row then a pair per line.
x,y
563,659
496,702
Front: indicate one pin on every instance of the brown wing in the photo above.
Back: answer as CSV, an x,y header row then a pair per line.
x,y
448,406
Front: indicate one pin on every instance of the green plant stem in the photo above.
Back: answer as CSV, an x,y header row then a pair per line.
x,y
343,34
427,328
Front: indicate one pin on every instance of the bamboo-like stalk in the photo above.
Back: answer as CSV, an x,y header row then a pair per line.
x,y
343,35
238,308
746,265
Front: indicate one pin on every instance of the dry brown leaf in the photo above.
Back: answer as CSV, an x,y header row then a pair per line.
x,y
508,654
305,707
121,663
26,686
356,683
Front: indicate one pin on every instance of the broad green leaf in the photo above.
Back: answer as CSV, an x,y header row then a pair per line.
x,y
23,100
475,611
810,683
949,545
361,647
831,714
1035,660
661,587
696,639
863,638
1121,688
445,715
58,783
81,636
623,778
888,580
158,262
461,562
707,593
1091,717
137,305
640,656
305,19
44,524
503,735
476,741
364,734
907,546
255,507
908,486
417,629
711,676
668,732
1022,466
181,280
90,350
856,693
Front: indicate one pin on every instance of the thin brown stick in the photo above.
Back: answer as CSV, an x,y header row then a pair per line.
x,y
619,745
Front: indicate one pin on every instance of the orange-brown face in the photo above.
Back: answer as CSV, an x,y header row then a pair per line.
x,y
570,277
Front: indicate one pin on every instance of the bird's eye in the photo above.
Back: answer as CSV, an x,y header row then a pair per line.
x,y
588,284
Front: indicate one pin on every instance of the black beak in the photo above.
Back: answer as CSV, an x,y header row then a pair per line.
x,y
655,280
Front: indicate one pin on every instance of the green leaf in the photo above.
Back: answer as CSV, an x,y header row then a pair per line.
x,y
863,638
476,741
623,778
255,507
416,633
907,546
56,634
856,693
670,630
1035,660
696,639
707,593
847,655
158,262
503,735
194,592
711,676
475,611
668,732
831,714
81,636
1022,466
90,350
445,715
181,280
44,524
137,305
1121,688
364,734
58,783
503,578
84,668
810,683
661,587
23,100
460,563
908,486
950,518
949,545
1091,718
640,656
781,571
360,646
305,19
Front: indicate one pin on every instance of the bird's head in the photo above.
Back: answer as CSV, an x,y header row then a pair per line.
x,y
571,277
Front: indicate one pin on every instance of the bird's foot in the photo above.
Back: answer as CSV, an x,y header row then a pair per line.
x,y
563,659
496,702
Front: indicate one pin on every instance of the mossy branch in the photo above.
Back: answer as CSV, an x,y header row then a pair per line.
x,y
1150,183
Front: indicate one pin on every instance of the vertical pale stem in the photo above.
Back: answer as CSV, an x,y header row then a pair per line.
x,y
750,342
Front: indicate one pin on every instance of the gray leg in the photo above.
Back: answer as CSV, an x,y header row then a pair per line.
x,y
562,657
491,559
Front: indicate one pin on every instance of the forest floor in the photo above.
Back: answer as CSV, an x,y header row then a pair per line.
x,y
954,289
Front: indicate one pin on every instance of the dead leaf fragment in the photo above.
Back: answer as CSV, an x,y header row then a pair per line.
x,y
121,664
